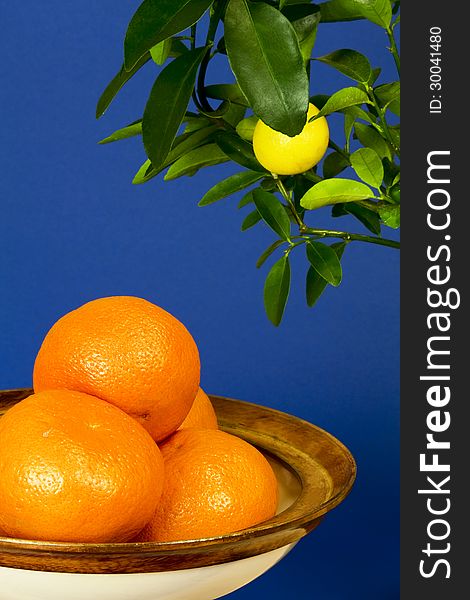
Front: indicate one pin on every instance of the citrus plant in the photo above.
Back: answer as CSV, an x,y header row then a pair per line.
x,y
188,125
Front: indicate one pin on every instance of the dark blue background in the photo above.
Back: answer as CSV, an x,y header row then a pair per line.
x,y
73,228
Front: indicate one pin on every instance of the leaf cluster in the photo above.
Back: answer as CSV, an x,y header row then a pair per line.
x,y
269,45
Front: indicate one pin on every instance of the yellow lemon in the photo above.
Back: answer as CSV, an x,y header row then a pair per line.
x,y
284,155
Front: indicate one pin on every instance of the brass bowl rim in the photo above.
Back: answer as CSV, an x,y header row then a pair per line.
x,y
289,519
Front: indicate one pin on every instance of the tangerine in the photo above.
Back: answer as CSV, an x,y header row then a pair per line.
x,y
75,468
215,483
127,351
202,414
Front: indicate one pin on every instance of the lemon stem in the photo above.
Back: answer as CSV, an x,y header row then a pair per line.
x,y
383,121
193,36
351,237
394,49
201,89
312,176
324,233
288,199
339,150
216,15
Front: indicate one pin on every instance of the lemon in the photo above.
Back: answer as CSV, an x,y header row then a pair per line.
x,y
284,155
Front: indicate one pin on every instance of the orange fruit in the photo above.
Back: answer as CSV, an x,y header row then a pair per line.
x,y
215,483
127,351
202,414
75,468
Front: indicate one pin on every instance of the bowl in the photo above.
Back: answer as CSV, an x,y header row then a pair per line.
x,y
315,472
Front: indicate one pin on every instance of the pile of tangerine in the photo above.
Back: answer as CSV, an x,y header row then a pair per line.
x,y
119,442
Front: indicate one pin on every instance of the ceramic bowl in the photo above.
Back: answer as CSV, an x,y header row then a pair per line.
x,y
315,472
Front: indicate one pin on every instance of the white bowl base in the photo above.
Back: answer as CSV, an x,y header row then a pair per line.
x,y
203,583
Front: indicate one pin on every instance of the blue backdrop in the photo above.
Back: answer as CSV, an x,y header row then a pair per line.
x,y
74,228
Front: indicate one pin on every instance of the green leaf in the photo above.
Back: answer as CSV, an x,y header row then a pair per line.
x,y
272,212
251,219
246,128
388,96
394,106
304,19
339,210
333,191
325,261
371,138
342,99
368,166
339,10
276,290
227,111
319,100
161,52
117,83
194,123
121,134
301,186
221,46
238,150
395,134
234,114
157,20
376,11
391,171
368,218
145,173
229,186
226,91
358,113
394,191
167,104
269,184
186,142
182,145
316,284
246,199
333,164
349,121
218,112
349,62
204,156
375,75
390,215
177,48
267,253
271,74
